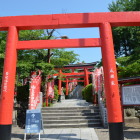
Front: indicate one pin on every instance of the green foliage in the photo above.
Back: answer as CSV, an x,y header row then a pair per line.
x,y
55,93
130,65
83,93
87,93
50,104
62,57
44,104
124,5
2,48
126,39
32,60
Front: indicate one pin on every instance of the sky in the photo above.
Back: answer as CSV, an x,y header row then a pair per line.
x,y
42,7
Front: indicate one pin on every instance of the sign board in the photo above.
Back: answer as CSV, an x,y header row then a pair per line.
x,y
131,95
33,121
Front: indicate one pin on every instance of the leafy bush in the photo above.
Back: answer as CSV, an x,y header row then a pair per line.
x,y
50,104
83,93
55,93
87,93
44,104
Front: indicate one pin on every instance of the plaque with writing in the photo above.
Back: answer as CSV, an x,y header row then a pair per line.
x,y
131,95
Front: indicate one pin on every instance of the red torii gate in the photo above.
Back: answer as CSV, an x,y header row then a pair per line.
x,y
73,74
80,20
72,81
67,80
70,75
74,67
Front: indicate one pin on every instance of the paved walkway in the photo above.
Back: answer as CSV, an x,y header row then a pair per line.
x,y
131,131
66,133
60,134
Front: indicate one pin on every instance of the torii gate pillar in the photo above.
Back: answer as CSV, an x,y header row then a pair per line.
x,y
8,84
59,86
86,77
111,84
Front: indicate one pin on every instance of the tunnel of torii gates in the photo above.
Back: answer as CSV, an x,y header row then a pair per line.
x,y
84,74
104,21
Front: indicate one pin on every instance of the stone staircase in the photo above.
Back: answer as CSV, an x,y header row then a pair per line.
x,y
71,117
76,93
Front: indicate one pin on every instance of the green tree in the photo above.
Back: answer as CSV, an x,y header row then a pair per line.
x,y
124,5
31,60
87,93
129,65
2,47
127,40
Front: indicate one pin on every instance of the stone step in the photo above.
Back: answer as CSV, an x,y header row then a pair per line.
x,y
70,117
67,111
69,108
69,114
79,125
77,121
